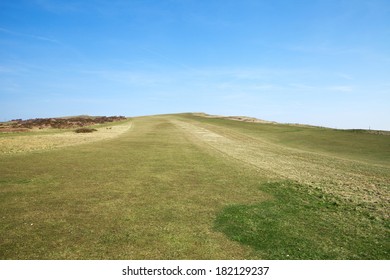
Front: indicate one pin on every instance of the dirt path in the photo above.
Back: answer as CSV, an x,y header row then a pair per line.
x,y
346,179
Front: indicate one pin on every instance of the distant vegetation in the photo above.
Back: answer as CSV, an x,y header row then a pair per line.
x,y
60,123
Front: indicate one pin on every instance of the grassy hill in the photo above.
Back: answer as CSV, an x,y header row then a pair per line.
x,y
187,186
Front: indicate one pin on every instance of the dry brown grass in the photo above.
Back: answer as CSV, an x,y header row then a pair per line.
x,y
43,141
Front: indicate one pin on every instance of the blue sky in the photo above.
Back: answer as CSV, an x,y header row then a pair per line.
x,y
320,62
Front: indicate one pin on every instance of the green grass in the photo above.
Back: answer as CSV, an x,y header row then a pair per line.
x,y
149,194
296,225
159,192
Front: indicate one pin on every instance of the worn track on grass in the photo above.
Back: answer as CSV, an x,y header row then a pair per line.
x,y
345,179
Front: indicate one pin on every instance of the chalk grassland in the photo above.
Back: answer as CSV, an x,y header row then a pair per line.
x,y
191,187
11,143
325,182
348,180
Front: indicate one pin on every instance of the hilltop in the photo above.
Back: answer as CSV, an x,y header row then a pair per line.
x,y
256,120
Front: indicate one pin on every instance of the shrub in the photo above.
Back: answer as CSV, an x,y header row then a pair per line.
x,y
85,130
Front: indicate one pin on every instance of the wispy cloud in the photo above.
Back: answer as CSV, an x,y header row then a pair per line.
x,y
321,88
323,48
59,6
129,77
345,76
302,86
33,36
167,59
74,51
5,69
341,88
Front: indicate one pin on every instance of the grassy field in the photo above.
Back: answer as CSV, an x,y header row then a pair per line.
x,y
189,187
